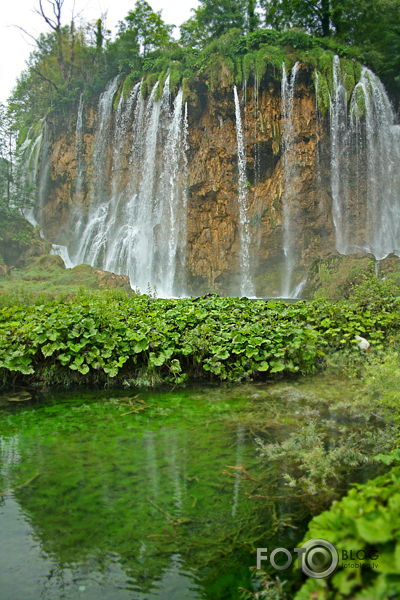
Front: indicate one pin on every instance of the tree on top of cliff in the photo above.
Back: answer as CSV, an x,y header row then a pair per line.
x,y
214,18
314,17
372,25
145,29
355,21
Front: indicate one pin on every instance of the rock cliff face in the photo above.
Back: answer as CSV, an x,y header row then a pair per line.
x,y
213,240
212,249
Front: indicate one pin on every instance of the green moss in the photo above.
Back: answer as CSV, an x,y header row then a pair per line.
x,y
38,128
360,101
174,79
290,60
238,71
323,101
186,88
128,85
22,134
248,65
117,97
357,70
347,66
325,63
221,71
148,84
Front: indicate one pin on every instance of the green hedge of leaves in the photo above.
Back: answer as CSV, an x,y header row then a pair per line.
x,y
101,337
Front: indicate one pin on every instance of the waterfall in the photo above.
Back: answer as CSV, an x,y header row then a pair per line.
x,y
89,240
339,155
246,284
79,151
31,161
365,166
289,160
299,288
136,222
168,204
382,136
63,252
35,167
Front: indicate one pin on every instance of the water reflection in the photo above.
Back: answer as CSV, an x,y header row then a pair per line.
x,y
28,572
164,504
136,506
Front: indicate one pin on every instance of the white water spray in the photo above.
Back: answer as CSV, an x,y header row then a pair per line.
x,y
246,285
289,160
136,224
365,166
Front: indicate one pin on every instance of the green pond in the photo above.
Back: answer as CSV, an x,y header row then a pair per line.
x,y
147,495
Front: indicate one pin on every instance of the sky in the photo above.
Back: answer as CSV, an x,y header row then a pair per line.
x,y
15,46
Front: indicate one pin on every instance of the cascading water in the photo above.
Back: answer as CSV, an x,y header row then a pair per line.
x,y
80,165
136,225
30,156
289,160
382,136
168,203
365,166
63,252
89,237
339,152
246,284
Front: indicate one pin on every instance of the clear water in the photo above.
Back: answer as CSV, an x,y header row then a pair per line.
x,y
143,505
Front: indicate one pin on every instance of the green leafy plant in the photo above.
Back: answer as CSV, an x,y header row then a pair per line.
x,y
365,521
108,335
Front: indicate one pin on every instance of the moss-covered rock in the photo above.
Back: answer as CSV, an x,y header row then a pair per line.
x,y
19,242
333,276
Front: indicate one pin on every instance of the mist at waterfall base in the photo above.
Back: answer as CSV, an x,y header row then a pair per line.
x,y
133,221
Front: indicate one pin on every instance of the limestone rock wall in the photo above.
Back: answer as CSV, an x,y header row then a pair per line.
x,y
213,252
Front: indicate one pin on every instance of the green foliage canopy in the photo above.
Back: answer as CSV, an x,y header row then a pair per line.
x,y
144,29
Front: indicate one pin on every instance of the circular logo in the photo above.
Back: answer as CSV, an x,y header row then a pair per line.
x,y
319,558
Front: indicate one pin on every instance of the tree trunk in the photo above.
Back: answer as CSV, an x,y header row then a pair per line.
x,y
325,18
251,9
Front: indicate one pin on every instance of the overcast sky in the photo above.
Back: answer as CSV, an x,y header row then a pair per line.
x,y
14,46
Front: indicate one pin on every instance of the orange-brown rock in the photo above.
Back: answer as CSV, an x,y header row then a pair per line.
x,y
213,250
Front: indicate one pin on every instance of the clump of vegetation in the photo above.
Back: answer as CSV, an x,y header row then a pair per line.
x,y
265,587
373,289
365,521
309,463
103,338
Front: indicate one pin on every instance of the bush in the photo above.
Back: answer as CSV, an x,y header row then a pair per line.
x,y
367,519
